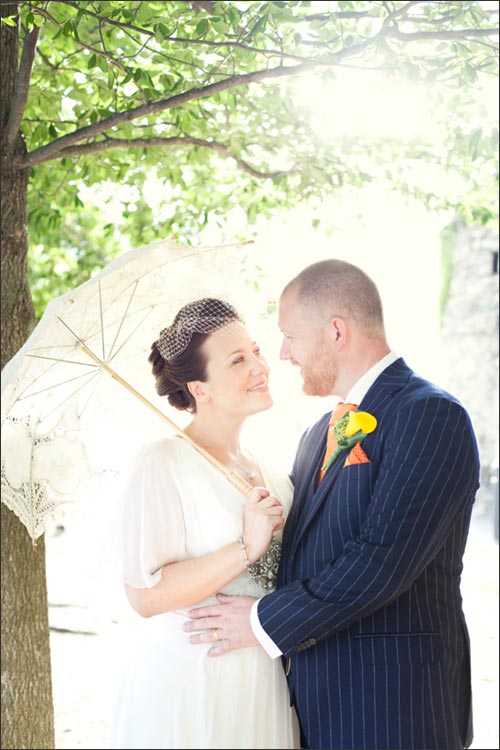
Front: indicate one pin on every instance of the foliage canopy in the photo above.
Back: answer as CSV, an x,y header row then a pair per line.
x,y
202,95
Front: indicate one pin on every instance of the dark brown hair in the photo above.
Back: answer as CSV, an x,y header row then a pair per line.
x,y
172,375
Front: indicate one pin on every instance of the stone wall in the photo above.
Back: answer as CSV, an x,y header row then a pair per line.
x,y
470,334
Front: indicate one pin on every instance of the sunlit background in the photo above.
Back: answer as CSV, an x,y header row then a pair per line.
x,y
394,238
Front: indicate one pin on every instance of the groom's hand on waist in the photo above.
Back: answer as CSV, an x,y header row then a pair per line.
x,y
226,625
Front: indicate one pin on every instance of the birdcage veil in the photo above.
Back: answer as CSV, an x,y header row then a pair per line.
x,y
205,315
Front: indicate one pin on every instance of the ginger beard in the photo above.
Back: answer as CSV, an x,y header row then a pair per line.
x,y
319,372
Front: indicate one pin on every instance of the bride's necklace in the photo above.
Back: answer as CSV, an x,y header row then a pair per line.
x,y
251,474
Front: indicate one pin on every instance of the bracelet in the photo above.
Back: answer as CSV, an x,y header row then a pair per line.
x,y
244,550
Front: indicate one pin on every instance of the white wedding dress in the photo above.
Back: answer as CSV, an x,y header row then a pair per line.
x,y
172,695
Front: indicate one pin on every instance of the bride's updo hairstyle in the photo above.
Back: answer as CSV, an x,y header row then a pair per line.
x,y
177,356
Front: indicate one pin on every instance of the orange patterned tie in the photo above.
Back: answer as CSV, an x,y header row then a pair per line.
x,y
331,440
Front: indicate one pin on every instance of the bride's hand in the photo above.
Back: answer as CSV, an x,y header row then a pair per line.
x,y
263,515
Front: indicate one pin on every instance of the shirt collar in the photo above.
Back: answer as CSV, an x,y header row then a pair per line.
x,y
363,385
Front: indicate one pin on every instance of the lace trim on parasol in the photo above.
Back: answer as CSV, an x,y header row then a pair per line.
x,y
29,502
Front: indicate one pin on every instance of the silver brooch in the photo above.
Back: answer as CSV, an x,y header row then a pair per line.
x,y
265,570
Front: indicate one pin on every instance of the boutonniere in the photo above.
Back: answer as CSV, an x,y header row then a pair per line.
x,y
351,429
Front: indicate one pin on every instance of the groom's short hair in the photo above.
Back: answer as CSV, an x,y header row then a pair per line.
x,y
334,287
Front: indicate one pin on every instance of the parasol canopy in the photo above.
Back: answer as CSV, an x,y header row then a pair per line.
x,y
58,398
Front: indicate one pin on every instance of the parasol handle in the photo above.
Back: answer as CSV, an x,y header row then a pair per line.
x,y
231,476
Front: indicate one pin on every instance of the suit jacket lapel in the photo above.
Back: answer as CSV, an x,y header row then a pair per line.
x,y
375,401
315,497
305,488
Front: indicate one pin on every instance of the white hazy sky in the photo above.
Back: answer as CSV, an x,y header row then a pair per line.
x,y
396,242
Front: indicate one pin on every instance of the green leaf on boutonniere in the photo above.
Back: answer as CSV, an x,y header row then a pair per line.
x,y
352,428
344,444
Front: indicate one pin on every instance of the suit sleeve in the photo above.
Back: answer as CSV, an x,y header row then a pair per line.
x,y
427,477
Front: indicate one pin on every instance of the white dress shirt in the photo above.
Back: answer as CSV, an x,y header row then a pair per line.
x,y
355,396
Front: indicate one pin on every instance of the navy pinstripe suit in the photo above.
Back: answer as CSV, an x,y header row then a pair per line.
x,y
368,606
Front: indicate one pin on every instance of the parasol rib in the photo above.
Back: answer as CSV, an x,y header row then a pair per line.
x,y
123,319
23,395
102,322
233,478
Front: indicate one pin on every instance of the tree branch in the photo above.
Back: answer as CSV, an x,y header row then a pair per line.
x,y
46,60
182,141
119,24
61,145
449,35
200,42
104,55
184,40
404,8
237,45
338,14
55,147
207,5
438,21
388,21
21,91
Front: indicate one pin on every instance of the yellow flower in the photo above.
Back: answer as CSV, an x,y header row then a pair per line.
x,y
359,421
352,428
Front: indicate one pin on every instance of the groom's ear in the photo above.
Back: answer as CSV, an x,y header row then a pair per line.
x,y
197,389
338,331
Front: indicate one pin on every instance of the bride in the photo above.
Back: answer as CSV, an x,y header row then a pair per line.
x,y
187,534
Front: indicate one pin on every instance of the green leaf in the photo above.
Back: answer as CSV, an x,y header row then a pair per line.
x,y
91,62
201,26
259,26
470,73
219,24
234,15
177,85
128,77
10,20
102,63
475,143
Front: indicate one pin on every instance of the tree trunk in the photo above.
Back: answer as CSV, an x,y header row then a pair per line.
x,y
27,710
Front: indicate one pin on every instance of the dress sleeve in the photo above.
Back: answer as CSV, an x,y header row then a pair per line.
x,y
276,479
152,527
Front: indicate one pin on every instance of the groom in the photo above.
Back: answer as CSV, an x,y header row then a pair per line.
x,y
368,613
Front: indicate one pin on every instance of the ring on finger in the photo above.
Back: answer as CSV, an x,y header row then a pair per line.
x,y
216,635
